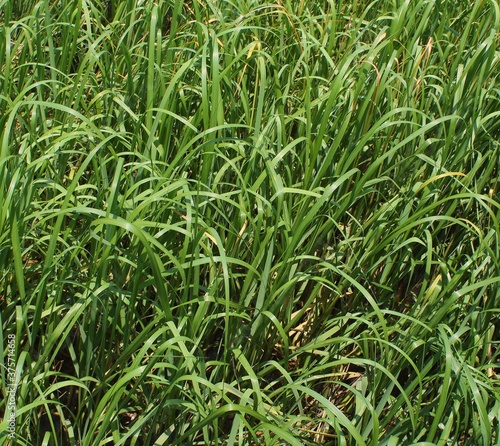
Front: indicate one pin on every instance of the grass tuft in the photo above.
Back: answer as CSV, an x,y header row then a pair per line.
x,y
236,223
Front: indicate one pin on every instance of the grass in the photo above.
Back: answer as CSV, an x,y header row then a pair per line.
x,y
238,223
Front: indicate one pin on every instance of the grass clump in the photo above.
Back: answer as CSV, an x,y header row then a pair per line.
x,y
236,223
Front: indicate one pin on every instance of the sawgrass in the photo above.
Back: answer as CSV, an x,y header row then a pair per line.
x,y
237,223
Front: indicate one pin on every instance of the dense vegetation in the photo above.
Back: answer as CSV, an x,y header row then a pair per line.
x,y
238,222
